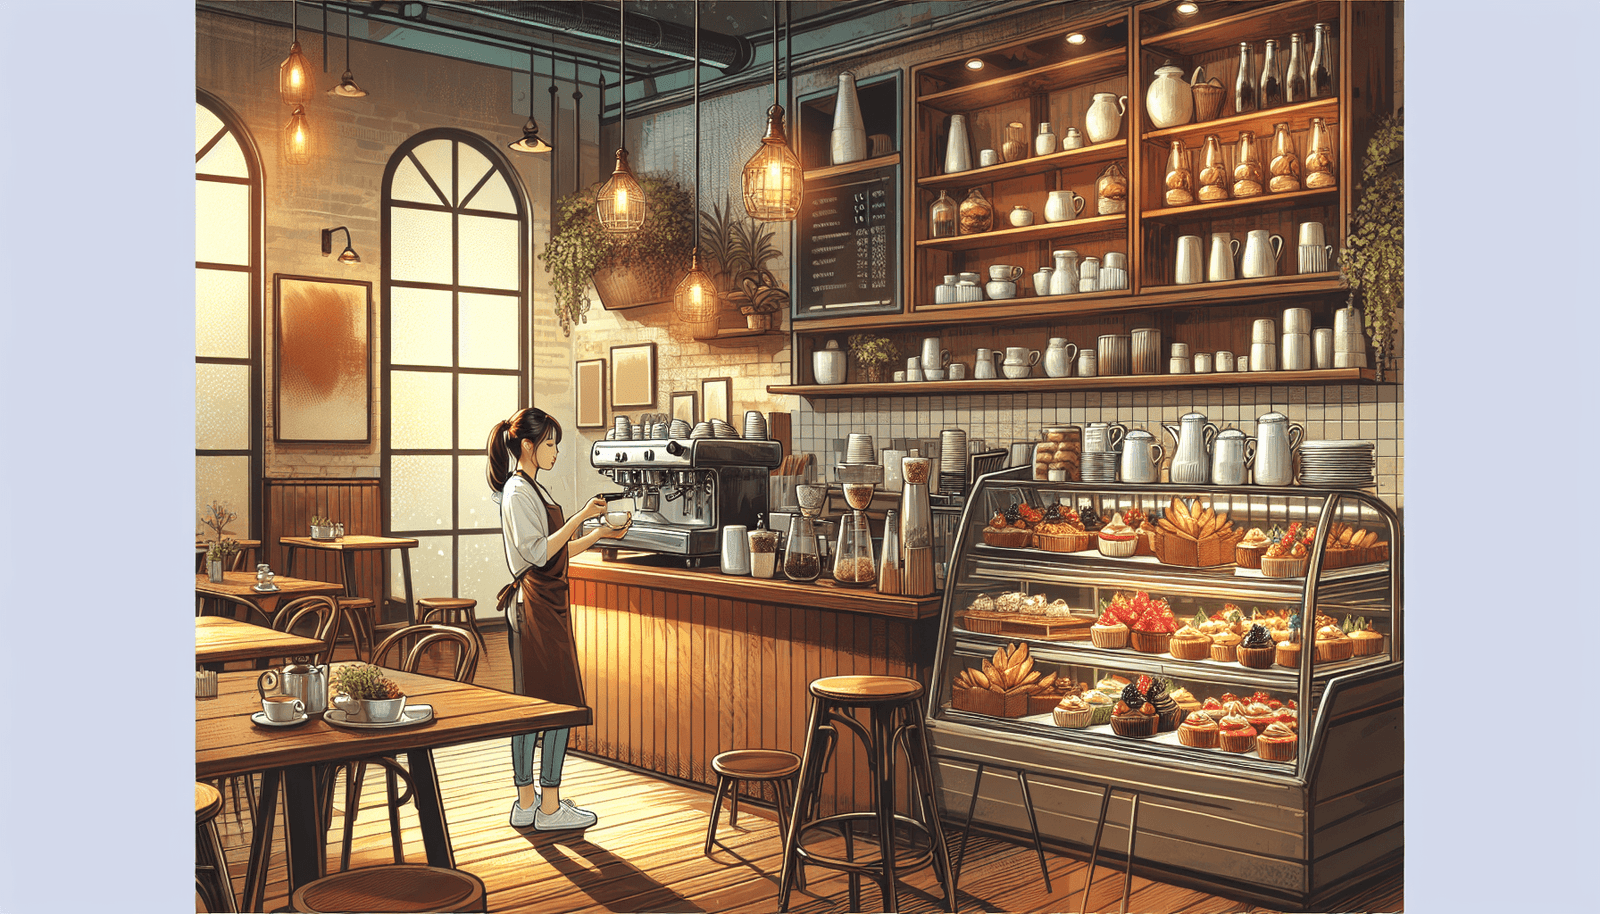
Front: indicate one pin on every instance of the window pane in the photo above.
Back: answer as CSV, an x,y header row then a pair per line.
x,y
435,158
225,159
419,245
488,331
475,507
221,314
419,326
430,569
483,570
221,222
473,167
485,400
489,252
419,493
408,185
206,126
419,416
225,480
494,196
222,407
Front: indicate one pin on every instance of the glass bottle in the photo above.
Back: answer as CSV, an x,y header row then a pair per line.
x,y
1111,190
1271,95
1244,85
1180,177
1319,156
942,217
1213,171
1285,163
1321,76
889,562
1247,167
976,213
801,561
1295,87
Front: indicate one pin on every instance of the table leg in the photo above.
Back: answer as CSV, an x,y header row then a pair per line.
x,y
289,557
303,831
405,572
349,571
430,808
255,879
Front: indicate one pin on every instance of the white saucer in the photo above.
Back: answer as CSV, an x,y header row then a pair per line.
x,y
260,719
412,715
259,589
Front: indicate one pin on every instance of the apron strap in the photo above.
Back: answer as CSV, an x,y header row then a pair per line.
x,y
508,593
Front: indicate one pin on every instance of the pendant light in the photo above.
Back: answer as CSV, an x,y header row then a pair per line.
x,y
347,87
773,183
695,299
294,74
531,141
297,138
621,205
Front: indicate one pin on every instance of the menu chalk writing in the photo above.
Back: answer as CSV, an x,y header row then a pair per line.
x,y
847,242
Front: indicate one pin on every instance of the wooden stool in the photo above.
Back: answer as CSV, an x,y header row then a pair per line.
x,y
457,611
894,710
760,765
358,612
210,863
401,887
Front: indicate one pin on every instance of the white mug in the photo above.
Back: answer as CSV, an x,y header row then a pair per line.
x,y
1225,361
984,368
1322,348
987,157
281,709
1311,234
736,549
1314,258
958,371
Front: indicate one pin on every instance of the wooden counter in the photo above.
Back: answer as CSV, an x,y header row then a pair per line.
x,y
682,664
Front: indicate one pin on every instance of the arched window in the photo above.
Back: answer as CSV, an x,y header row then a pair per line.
x,y
227,316
455,326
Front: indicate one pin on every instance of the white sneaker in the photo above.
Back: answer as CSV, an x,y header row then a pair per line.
x,y
567,817
522,818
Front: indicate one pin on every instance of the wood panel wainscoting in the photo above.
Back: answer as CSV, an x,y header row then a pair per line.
x,y
356,503
680,665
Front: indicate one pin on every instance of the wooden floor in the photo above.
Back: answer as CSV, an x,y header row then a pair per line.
x,y
645,853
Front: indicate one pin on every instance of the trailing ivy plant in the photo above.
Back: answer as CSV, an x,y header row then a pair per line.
x,y
578,246
1373,260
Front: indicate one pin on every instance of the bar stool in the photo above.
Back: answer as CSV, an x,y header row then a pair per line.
x,y
457,611
210,862
400,887
894,707
774,766
357,612
1027,805
1094,850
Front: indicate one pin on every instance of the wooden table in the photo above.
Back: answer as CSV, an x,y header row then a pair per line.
x,y
347,546
218,639
241,585
227,744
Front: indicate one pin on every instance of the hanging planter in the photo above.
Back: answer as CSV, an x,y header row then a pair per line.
x,y
1373,260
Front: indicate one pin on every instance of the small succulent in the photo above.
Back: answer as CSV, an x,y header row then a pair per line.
x,y
363,681
221,550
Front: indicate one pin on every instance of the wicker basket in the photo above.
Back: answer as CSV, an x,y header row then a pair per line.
x,y
1213,550
990,704
1151,642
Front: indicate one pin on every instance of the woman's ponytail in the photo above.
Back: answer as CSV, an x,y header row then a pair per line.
x,y
505,441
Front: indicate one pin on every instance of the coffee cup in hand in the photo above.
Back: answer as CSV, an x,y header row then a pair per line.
x,y
281,709
616,520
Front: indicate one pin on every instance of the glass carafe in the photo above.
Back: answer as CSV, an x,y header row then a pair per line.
x,y
1247,167
853,562
942,217
1285,164
977,213
1213,171
801,561
1319,156
1180,177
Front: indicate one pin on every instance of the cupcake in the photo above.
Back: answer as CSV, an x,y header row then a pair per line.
x,y
1257,649
1134,722
1189,643
1333,644
1199,731
1213,708
1100,704
1117,539
1108,631
1259,714
1073,712
1225,647
1154,691
1235,734
1185,701
1290,718
1152,629
1367,642
1288,654
1143,529
1112,685
1277,743
1285,559
1247,553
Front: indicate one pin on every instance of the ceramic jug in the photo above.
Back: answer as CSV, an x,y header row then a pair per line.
x,y
1041,281
986,366
1104,120
1064,278
1058,358
1276,439
1191,455
1063,206
1169,99
848,140
1141,458
1261,250
1103,436
1231,455
1224,248
1019,362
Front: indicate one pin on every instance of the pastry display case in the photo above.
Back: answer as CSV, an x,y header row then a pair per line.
x,y
1267,751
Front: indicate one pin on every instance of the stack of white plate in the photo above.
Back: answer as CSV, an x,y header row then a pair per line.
x,y
679,428
1098,466
720,429
702,430
858,449
1338,464
755,425
952,460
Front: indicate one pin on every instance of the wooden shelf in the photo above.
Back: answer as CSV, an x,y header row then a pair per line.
x,y
1034,165
1237,289
1106,64
1298,116
1084,225
1322,196
1250,25
737,337
850,168
1057,385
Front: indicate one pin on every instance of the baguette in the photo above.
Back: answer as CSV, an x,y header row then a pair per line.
x,y
990,672
979,679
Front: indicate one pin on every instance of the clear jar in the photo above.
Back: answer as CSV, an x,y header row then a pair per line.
x,y
976,213
853,561
1213,176
1285,163
1180,177
1111,190
942,217
1247,176
1319,156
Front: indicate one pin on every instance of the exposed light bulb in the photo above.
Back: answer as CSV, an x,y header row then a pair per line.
x,y
1188,9
622,199
975,64
1076,38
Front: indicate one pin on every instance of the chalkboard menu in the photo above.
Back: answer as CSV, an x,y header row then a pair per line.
x,y
848,246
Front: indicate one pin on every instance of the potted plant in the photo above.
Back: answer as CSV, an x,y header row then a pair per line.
x,y
365,695
323,528
218,556
627,271
1373,260
742,248
872,354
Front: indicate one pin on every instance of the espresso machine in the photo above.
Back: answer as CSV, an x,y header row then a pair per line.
x,y
685,490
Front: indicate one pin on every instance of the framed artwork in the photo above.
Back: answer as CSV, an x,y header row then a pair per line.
x,y
633,375
322,345
683,406
715,394
591,381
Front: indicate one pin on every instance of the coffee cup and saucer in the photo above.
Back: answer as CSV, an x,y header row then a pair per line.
x,y
280,711
616,520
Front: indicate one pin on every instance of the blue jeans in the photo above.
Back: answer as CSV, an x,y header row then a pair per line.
x,y
555,753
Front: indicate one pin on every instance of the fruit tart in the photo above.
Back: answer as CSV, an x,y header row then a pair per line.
x,y
1248,552
1257,649
1060,530
1137,722
1109,631
1277,743
1073,712
1198,731
1154,625
1007,529
1117,539
1235,734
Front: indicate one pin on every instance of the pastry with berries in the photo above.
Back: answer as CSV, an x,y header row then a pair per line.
x,y
1235,734
1143,529
1277,742
1198,731
1257,649
1060,530
1147,690
1154,624
1288,557
1089,517
1109,631
1117,539
1007,529
1134,721
1213,708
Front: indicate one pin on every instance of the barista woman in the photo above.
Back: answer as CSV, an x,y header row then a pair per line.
x,y
544,659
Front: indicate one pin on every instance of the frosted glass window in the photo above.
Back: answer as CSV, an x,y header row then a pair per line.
x,y
431,561
473,167
222,407
419,493
485,400
221,314
409,185
489,252
206,126
419,411
419,327
481,570
488,331
435,157
419,245
475,507
225,480
494,196
222,222
225,159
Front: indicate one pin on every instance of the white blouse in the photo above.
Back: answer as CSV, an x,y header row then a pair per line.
x,y
524,523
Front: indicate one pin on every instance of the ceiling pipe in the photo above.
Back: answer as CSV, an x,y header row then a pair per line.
x,y
594,22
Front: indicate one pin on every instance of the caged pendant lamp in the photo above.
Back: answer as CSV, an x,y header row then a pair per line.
x,y
294,74
695,299
773,185
297,138
621,207
531,141
347,87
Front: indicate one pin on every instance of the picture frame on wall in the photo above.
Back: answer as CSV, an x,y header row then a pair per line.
x,y
716,396
633,375
683,406
322,360
590,375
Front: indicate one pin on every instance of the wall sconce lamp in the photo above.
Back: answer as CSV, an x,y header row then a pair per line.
x,y
349,254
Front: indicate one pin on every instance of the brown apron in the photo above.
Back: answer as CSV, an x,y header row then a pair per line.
x,y
548,653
